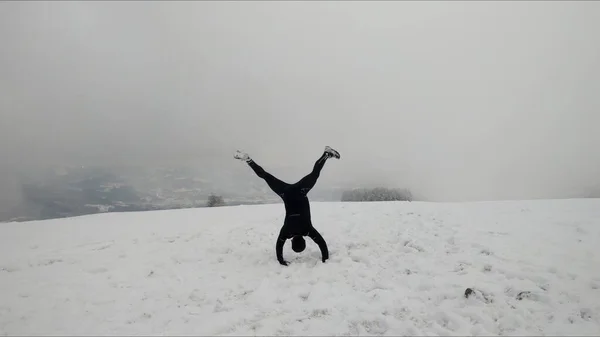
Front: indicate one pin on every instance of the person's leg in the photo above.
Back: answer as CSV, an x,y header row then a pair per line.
x,y
308,182
275,184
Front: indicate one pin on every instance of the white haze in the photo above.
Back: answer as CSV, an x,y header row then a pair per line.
x,y
457,101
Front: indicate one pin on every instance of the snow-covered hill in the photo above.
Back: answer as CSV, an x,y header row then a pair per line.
x,y
395,269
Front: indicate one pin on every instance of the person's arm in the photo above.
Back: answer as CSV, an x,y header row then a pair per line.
x,y
279,249
318,239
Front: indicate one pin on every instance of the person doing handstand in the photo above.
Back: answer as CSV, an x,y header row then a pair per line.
x,y
298,222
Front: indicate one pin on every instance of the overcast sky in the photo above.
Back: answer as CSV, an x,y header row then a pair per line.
x,y
456,100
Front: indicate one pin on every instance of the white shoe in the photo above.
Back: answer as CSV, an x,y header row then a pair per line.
x,y
241,156
331,152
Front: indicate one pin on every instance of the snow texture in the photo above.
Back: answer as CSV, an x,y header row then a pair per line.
x,y
396,268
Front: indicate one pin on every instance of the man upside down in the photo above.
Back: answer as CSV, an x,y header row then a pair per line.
x,y
297,223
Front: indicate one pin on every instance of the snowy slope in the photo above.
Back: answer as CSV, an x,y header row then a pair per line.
x,y
395,269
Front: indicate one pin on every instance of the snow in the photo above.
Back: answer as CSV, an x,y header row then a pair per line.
x,y
101,208
396,268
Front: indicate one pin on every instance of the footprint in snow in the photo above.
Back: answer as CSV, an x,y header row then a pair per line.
x,y
524,294
304,296
97,270
103,247
48,262
284,332
532,296
197,296
97,245
414,246
373,327
585,314
478,294
486,252
220,307
461,266
9,269
319,313
170,239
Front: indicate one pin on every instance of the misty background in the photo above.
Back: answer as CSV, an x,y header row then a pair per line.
x,y
453,100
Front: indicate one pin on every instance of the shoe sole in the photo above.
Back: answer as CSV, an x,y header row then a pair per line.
x,y
334,153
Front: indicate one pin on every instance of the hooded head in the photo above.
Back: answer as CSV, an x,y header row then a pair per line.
x,y
298,244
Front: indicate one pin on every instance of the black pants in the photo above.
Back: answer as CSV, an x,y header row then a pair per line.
x,y
303,186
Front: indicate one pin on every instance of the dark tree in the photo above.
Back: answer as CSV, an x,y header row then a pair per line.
x,y
215,201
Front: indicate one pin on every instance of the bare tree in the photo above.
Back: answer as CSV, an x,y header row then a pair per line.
x,y
215,201
377,194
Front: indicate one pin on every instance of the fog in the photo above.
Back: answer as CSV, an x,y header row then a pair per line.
x,y
456,101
